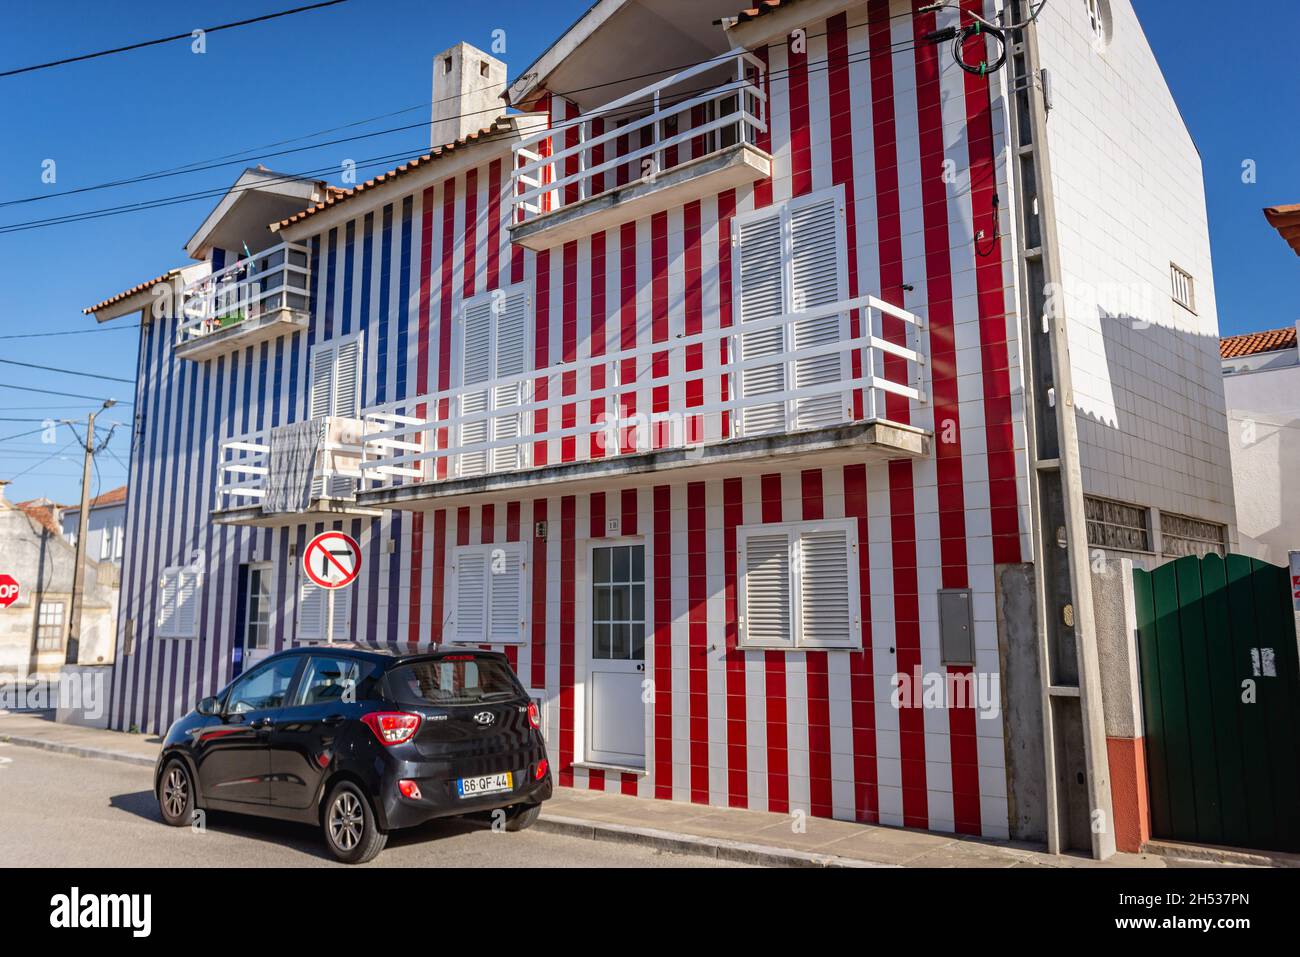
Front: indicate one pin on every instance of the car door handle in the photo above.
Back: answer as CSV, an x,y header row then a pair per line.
x,y
332,720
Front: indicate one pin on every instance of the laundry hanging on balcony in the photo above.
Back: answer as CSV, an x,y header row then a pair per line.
x,y
292,467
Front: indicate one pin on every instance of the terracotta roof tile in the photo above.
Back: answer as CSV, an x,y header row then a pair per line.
x,y
112,497
147,284
338,195
1253,343
41,512
1286,220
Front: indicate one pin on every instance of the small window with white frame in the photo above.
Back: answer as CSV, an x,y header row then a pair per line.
x,y
799,585
488,594
1098,21
49,626
1183,287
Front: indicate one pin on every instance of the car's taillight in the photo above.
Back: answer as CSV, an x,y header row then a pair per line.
x,y
392,727
541,770
409,789
534,715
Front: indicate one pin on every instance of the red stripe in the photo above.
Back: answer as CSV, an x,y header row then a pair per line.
x,y
629,784
1004,512
694,316
595,442
659,320
902,505
539,599
726,210
597,515
512,521
569,349
470,241
568,520
663,641
541,347
421,388
866,792
763,188
841,124
439,573
778,769
819,703
595,779
627,331
487,525
800,138
697,625
733,515
629,505
494,225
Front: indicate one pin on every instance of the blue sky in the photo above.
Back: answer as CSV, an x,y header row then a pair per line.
x,y
161,107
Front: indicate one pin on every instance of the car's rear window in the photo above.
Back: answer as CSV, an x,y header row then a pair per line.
x,y
455,679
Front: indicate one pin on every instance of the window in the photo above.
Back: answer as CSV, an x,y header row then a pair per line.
x,y
452,680
257,624
1181,536
1097,19
178,603
799,585
49,626
792,260
317,606
263,689
618,603
1117,526
329,680
489,594
1184,287
336,390
119,538
493,347
105,544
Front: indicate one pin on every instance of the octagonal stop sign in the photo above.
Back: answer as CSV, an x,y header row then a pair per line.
x,y
8,590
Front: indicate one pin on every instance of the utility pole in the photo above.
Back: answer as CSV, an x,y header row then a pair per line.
x,y
83,519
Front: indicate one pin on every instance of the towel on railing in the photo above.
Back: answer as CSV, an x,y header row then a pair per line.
x,y
292,466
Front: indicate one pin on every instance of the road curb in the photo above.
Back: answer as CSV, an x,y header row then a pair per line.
x,y
1212,854
674,842
78,751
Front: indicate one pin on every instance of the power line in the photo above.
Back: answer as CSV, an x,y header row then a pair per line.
x,y
88,375
70,332
68,395
179,36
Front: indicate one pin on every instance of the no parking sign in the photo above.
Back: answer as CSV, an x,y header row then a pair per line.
x,y
332,560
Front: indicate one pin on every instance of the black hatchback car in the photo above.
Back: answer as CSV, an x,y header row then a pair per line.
x,y
361,743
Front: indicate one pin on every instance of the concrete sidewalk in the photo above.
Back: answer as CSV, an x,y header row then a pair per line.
x,y
751,837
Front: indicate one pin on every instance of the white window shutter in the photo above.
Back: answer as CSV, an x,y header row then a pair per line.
x,y
471,596
341,630
826,615
347,379
760,249
817,279
311,611
506,584
511,359
167,591
767,594
187,602
322,381
476,369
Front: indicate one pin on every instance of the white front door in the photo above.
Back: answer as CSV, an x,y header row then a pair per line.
x,y
258,639
615,711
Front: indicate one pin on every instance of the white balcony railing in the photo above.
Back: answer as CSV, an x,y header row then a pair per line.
x,y
247,463
807,370
642,135
273,284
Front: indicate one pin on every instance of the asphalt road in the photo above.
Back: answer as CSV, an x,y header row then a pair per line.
x,y
63,811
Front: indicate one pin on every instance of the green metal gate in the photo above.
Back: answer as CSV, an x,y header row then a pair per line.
x,y
1221,701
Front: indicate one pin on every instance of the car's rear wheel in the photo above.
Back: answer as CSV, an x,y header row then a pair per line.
x,y
176,794
351,831
522,816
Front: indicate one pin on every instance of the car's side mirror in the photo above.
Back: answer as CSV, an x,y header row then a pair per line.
x,y
207,707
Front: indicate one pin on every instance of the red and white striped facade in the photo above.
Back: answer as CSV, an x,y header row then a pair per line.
x,y
918,148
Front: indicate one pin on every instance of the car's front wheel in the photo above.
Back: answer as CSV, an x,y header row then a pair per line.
x,y
351,831
176,794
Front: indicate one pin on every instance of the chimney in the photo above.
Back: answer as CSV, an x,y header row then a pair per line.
x,y
3,483
467,88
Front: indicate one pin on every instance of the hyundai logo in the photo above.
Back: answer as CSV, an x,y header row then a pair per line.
x,y
485,717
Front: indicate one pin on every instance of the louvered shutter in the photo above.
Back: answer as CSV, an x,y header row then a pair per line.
x,y
322,381
187,601
816,280
767,615
476,369
826,617
346,402
762,296
507,597
471,596
311,612
511,358
167,591
342,614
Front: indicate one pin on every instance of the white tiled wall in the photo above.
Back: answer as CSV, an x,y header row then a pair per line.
x,y
1130,200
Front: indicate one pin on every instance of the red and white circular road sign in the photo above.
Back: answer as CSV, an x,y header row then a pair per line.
x,y
332,560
